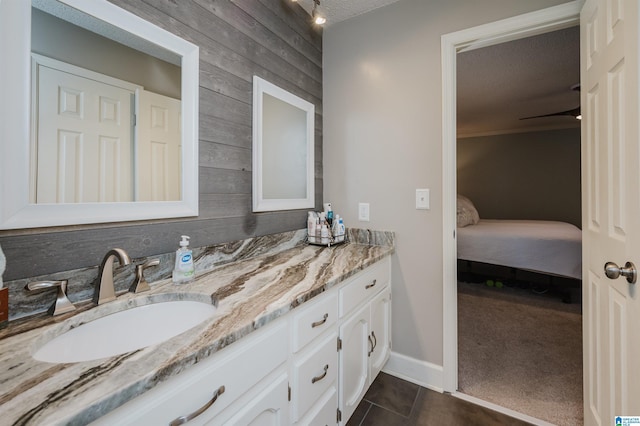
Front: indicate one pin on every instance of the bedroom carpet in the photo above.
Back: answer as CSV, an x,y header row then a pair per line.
x,y
521,351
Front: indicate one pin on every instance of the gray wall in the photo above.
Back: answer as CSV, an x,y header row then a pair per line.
x,y
383,139
269,38
61,40
523,176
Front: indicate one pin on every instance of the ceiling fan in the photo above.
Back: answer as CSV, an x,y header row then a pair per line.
x,y
575,112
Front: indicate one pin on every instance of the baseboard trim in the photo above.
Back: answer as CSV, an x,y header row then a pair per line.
x,y
421,373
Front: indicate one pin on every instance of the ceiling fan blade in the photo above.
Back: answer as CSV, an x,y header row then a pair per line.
x,y
571,112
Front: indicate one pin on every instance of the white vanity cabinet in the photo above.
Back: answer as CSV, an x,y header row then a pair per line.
x,y
365,334
309,367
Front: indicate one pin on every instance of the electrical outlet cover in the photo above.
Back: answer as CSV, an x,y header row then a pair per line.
x,y
422,199
363,212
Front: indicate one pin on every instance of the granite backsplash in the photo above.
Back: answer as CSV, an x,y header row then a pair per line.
x,y
23,303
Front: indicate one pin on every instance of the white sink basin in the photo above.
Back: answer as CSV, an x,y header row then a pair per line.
x,y
125,331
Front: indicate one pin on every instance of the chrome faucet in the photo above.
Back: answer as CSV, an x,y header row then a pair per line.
x,y
105,290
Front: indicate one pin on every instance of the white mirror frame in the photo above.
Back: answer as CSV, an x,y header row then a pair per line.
x,y
261,204
16,211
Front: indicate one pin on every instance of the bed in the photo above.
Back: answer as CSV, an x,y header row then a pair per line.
x,y
548,247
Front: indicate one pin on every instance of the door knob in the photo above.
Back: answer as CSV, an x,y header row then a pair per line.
x,y
629,271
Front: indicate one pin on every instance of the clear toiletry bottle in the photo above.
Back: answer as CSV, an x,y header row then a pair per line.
x,y
324,235
341,230
311,227
338,229
184,270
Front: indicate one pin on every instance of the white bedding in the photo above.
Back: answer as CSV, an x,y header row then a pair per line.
x,y
536,245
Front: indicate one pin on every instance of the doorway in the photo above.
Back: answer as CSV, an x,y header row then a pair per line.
x,y
547,20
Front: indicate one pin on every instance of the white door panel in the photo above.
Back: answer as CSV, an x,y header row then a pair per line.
x,y
84,139
611,207
158,150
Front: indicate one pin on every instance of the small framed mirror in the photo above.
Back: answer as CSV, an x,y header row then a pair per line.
x,y
283,149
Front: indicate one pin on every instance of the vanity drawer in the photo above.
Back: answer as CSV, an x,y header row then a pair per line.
x,y
312,321
364,285
314,371
235,368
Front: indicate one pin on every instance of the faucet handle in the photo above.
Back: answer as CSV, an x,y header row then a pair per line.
x,y
140,284
62,304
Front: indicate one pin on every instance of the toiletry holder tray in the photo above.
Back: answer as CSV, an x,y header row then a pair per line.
x,y
332,241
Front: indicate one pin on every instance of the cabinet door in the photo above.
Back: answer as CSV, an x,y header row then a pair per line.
x,y
354,361
270,407
324,412
380,332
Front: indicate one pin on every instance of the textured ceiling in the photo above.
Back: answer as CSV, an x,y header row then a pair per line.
x,y
499,85
340,10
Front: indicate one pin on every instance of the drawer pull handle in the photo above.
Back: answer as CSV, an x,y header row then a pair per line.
x,y
322,376
373,283
183,419
319,323
371,345
375,341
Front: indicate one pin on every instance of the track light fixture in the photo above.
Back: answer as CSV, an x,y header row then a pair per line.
x,y
318,17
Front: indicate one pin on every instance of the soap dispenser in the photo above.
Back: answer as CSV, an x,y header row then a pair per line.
x,y
184,270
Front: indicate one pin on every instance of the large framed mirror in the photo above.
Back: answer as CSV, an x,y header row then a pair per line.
x,y
283,149
103,120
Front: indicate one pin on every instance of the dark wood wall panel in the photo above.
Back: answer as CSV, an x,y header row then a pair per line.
x,y
273,39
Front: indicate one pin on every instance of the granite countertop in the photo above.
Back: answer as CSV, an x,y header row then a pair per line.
x,y
249,293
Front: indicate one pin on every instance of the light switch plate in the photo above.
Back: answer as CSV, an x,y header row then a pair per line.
x,y
422,199
4,305
363,212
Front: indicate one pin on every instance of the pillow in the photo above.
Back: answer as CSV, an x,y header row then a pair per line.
x,y
466,212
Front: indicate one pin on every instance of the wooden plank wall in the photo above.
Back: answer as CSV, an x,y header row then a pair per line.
x,y
269,38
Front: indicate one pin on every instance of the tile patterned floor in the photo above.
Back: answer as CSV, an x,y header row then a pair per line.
x,y
391,401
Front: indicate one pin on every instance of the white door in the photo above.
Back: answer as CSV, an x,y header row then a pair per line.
x,y
611,208
158,148
380,332
83,143
354,361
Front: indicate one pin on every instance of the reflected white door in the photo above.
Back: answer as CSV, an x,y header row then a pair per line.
x,y
611,208
83,144
158,148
